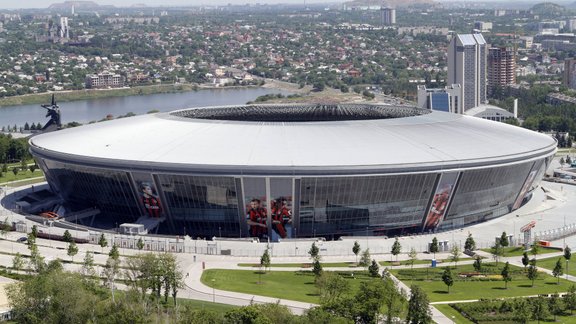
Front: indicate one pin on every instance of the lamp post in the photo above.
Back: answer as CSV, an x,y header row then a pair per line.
x,y
213,291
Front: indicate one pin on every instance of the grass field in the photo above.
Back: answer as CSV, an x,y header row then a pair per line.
x,y
302,265
293,285
452,314
519,251
21,175
550,263
469,288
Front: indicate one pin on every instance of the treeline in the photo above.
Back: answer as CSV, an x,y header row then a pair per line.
x,y
13,149
537,113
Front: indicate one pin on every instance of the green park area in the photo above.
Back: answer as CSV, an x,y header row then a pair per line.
x,y
550,263
302,265
470,284
292,285
512,251
19,171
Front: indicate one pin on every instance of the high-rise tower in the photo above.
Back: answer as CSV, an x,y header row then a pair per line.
x,y
388,16
501,68
467,67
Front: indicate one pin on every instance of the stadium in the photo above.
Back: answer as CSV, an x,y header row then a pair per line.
x,y
289,171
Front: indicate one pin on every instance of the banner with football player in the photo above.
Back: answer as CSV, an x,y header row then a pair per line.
x,y
148,195
440,201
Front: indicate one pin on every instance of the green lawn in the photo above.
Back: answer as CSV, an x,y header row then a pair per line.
x,y
459,318
9,176
519,251
550,263
469,288
216,307
452,314
293,285
302,265
404,262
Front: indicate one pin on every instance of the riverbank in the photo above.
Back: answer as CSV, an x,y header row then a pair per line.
x,y
73,95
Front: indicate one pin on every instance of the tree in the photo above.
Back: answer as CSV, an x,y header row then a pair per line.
x,y
356,250
506,274
496,251
140,244
412,257
535,249
331,287
504,242
540,308
558,270
532,271
110,272
447,278
567,256
525,260
455,255
314,252
17,262
72,250
374,269
102,242
365,259
556,305
570,299
34,231
265,260
67,237
418,307
114,253
394,299
317,268
470,244
88,265
396,248
434,246
478,264
522,310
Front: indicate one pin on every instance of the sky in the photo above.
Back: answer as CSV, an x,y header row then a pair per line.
x,y
12,4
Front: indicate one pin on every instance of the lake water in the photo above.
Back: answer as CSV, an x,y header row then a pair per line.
x,y
84,111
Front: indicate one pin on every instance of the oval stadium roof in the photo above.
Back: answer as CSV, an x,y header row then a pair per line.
x,y
421,141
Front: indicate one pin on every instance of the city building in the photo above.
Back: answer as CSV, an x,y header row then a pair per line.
x,y
570,73
104,80
287,171
63,30
501,68
483,26
467,67
441,99
388,16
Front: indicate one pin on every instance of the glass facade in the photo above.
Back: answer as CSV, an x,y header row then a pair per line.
x,y
363,205
201,205
85,187
486,193
284,207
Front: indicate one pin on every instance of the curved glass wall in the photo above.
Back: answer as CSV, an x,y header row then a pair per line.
x,y
363,205
285,207
108,190
201,205
486,193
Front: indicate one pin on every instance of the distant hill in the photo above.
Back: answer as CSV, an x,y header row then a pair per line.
x,y
78,5
548,9
389,3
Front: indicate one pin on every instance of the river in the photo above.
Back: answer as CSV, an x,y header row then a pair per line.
x,y
84,111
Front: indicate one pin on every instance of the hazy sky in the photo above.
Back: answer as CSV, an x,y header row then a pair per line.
x,y
12,4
